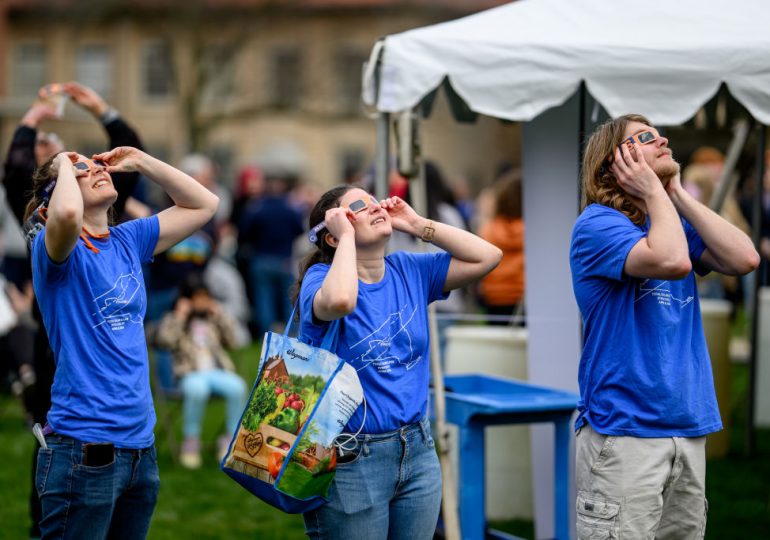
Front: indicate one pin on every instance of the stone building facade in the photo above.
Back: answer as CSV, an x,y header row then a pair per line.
x,y
241,80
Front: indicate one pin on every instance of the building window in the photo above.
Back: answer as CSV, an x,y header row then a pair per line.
x,y
218,74
348,65
157,69
29,69
94,68
285,78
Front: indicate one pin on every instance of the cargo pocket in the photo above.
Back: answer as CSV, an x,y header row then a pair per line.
x,y
597,518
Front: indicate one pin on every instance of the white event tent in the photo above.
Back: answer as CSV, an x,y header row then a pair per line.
x,y
659,58
526,61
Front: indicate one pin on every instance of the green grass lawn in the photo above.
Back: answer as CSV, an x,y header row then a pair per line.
x,y
207,504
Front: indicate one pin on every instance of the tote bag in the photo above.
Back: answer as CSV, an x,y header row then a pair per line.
x,y
283,450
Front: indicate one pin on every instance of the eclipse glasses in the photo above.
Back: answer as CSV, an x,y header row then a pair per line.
x,y
83,166
645,137
357,206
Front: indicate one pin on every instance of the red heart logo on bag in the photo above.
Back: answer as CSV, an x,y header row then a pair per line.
x,y
253,443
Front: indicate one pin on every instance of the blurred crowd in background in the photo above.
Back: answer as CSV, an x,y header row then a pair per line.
x,y
234,273
246,257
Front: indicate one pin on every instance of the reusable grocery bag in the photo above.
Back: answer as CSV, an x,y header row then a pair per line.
x,y
283,450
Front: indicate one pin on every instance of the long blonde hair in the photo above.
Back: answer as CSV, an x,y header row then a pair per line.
x,y
599,184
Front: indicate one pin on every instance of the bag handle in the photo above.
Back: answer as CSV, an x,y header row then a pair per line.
x,y
331,337
329,343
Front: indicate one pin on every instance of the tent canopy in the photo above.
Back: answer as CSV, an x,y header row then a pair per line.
x,y
660,58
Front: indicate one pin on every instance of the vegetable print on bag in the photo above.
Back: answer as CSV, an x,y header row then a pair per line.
x,y
302,399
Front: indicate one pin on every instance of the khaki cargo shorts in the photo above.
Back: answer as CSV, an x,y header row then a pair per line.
x,y
640,488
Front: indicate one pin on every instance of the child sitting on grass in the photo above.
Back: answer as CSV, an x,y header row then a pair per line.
x,y
197,332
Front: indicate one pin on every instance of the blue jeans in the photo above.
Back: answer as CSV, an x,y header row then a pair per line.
x,y
390,490
111,501
197,386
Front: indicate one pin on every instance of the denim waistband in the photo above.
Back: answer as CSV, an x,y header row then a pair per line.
x,y
423,426
57,438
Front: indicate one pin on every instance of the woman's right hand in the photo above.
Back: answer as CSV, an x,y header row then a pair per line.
x,y
62,160
339,221
122,159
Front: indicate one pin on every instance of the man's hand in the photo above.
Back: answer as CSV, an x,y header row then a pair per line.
x,y
86,98
675,184
634,175
38,112
122,159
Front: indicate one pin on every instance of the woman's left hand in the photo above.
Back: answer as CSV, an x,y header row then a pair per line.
x,y
402,216
122,159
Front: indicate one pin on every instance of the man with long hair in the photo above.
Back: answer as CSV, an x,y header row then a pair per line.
x,y
647,392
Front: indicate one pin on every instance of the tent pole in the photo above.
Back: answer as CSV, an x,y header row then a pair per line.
x,y
728,180
582,128
382,156
449,486
449,507
756,222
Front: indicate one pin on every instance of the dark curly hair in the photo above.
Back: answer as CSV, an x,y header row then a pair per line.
x,y
42,176
324,253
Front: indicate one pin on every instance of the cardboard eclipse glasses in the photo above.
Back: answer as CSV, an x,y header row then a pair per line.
x,y
644,137
357,206
83,166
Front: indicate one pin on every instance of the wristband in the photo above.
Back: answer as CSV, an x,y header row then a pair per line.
x,y
427,232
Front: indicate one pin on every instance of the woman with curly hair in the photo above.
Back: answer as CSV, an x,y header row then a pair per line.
x,y
97,474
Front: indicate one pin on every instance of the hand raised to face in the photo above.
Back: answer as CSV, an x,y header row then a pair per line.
x,y
634,175
121,159
402,216
339,221
63,159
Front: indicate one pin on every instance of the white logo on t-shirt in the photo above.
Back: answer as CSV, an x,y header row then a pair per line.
x,y
379,342
114,306
663,296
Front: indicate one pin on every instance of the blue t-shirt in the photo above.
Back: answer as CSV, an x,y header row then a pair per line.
x,y
645,369
386,337
93,307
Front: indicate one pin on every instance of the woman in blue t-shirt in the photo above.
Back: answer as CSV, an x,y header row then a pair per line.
x,y
388,483
97,474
